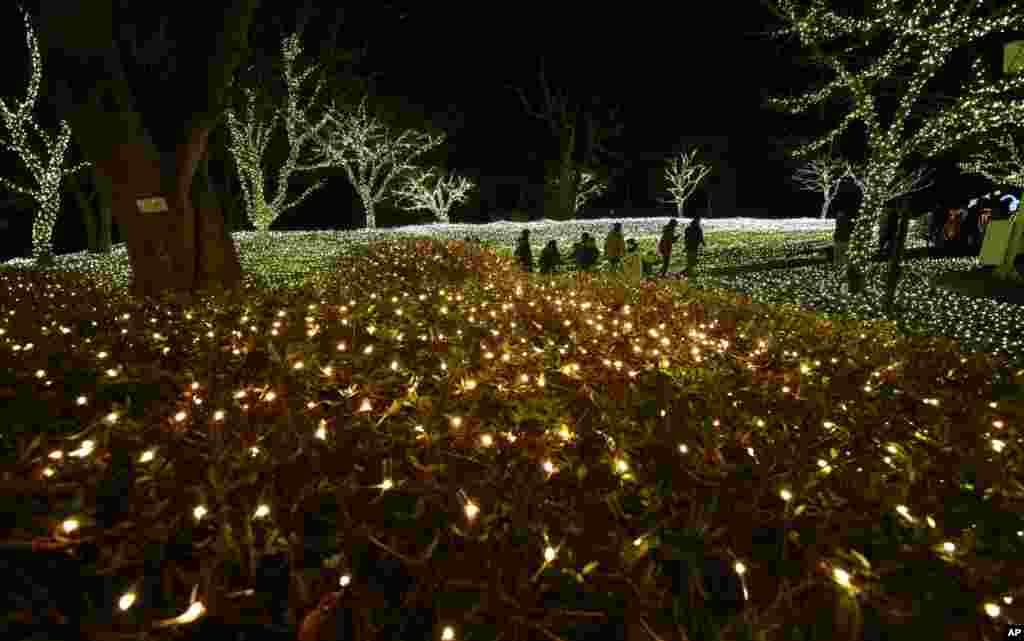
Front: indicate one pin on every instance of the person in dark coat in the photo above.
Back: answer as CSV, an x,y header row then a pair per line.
x,y
586,254
550,258
693,238
668,239
523,252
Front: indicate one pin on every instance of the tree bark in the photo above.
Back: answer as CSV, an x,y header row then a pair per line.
x,y
186,247
895,268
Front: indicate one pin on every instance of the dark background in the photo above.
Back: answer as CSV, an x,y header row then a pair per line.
x,y
678,77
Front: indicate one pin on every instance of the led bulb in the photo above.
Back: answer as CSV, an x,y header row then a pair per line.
x,y
70,526
786,495
740,568
842,577
262,511
126,601
549,554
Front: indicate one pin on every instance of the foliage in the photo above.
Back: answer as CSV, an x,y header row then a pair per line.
x,y
501,450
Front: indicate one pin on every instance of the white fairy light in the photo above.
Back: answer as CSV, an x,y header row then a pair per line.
x,y
368,152
45,162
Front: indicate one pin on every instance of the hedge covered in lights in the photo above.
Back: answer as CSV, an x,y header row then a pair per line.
x,y
534,453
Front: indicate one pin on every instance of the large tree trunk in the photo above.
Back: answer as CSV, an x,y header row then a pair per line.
x,y
184,247
170,250
96,212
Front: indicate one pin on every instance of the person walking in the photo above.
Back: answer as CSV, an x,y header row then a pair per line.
x,y
614,246
841,238
668,239
693,239
523,252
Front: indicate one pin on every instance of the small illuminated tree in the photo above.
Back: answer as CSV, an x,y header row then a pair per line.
x,y
906,46
251,135
430,190
588,186
1003,165
44,163
823,175
683,175
370,154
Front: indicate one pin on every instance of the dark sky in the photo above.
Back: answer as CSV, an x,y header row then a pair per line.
x,y
674,72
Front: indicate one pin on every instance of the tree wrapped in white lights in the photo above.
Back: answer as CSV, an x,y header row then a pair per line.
x,y
251,135
684,174
45,164
370,154
1003,165
916,40
902,183
588,186
430,190
823,175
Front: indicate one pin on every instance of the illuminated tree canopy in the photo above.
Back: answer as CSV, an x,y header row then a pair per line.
x,y
43,159
433,191
908,44
684,174
252,134
1002,163
588,186
823,175
371,155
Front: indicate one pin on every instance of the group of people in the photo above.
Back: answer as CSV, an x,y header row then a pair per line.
x,y
622,254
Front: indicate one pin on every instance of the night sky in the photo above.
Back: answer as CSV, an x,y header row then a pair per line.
x,y
678,77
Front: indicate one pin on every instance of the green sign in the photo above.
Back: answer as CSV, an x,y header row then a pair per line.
x,y
1013,57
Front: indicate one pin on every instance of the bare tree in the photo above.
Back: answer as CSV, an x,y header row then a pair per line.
x,y
684,174
823,175
588,186
251,136
430,190
44,160
370,154
582,131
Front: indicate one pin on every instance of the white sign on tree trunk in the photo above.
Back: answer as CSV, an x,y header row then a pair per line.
x,y
154,205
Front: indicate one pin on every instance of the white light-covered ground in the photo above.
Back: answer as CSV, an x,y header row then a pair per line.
x,y
503,232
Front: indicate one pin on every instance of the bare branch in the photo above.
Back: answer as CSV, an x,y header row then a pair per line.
x,y
684,175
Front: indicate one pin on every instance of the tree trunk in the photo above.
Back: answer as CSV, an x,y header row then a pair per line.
x,y
170,250
88,211
895,259
182,246
96,212
824,209
104,214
